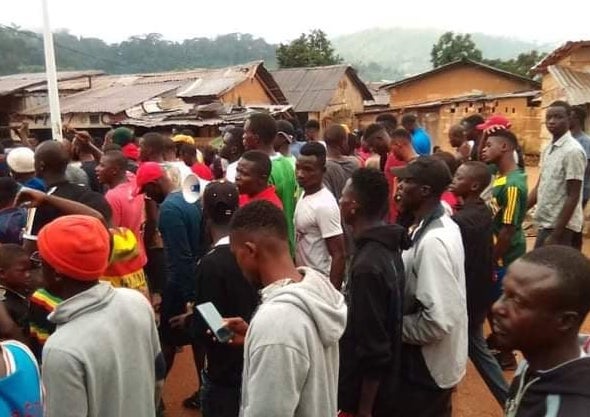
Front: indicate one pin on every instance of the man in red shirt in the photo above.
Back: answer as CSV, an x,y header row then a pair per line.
x,y
402,153
252,176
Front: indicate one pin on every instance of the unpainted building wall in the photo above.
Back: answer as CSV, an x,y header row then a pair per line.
x,y
454,82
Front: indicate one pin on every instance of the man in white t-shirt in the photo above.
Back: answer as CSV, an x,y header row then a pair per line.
x,y
318,230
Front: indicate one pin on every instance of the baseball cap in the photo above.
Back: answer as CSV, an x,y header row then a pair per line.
x,y
221,201
426,170
147,172
493,123
21,160
286,129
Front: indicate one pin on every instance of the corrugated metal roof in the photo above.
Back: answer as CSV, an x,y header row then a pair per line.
x,y
471,98
116,93
217,81
226,115
311,89
82,83
458,63
576,84
14,82
111,99
380,97
556,55
205,87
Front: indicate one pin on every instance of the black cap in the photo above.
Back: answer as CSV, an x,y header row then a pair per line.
x,y
426,170
286,129
221,201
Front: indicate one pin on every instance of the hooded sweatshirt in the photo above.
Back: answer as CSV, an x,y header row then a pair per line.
x,y
104,358
291,350
371,345
563,391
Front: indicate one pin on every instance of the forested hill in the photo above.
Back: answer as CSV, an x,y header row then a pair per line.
x,y
22,51
378,54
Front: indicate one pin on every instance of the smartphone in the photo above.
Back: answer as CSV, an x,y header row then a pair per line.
x,y
215,322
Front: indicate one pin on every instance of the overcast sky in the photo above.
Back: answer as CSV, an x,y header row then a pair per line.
x,y
280,21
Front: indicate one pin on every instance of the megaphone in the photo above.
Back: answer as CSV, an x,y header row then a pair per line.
x,y
193,188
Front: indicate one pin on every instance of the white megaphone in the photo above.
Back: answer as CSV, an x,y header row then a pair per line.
x,y
193,188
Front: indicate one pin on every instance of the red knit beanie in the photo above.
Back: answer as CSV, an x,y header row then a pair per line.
x,y
75,246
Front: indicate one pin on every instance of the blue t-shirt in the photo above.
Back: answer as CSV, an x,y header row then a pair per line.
x,y
36,184
421,142
584,140
21,393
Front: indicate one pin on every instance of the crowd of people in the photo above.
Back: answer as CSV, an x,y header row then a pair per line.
x,y
354,271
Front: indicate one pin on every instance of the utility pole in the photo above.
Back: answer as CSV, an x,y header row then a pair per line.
x,y
51,72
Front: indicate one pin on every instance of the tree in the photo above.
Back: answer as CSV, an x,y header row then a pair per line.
x,y
520,65
311,50
453,47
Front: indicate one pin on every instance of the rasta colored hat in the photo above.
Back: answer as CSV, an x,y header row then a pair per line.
x,y
76,246
426,170
493,123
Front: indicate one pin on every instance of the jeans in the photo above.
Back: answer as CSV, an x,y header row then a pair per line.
x,y
568,238
218,400
486,364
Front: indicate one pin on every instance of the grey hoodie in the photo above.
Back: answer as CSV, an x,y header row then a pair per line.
x,y
291,352
102,359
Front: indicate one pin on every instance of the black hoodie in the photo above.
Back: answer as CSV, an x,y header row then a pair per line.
x,y
563,391
371,343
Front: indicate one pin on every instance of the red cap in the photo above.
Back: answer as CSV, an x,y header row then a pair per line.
x,y
146,173
202,171
493,123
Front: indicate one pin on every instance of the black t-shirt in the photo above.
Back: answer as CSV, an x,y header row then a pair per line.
x,y
475,221
220,281
17,306
46,213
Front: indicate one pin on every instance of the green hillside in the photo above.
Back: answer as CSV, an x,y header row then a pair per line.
x,y
407,51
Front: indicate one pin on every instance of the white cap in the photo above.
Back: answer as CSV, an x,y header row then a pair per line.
x,y
21,160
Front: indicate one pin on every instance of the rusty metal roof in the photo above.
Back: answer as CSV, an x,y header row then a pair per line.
x,y
531,94
575,84
111,99
380,97
12,83
460,63
312,89
182,116
558,54
214,82
116,93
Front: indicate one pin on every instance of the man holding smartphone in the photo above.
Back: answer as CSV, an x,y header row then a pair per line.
x,y
220,281
291,347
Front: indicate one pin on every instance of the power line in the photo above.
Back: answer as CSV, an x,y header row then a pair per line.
x,y
63,47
